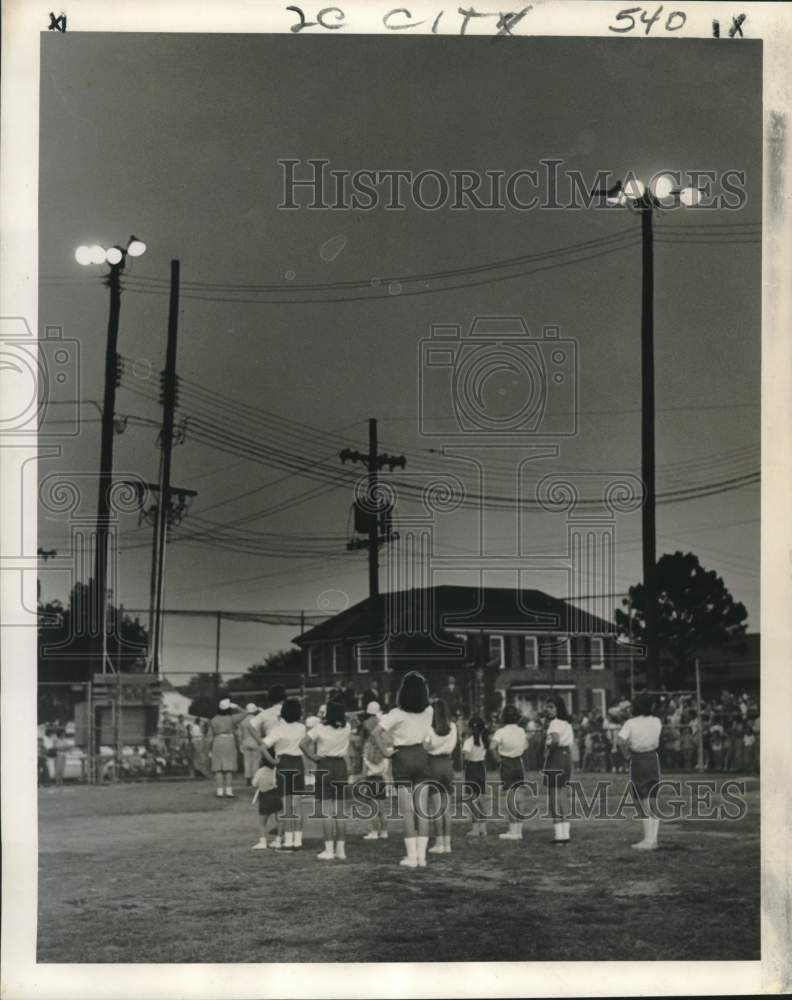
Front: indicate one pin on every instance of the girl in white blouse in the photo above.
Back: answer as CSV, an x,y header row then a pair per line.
x,y
440,742
509,743
327,744
284,740
408,725
558,765
640,738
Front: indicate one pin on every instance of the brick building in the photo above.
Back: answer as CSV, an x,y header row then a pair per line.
x,y
500,645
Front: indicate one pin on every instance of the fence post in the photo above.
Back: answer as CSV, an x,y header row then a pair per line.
x,y
700,765
90,739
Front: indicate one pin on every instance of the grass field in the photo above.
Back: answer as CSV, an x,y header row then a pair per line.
x,y
164,873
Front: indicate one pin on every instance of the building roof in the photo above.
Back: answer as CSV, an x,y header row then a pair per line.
x,y
458,609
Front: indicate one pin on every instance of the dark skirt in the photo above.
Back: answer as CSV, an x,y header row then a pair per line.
x,y
441,771
475,778
511,772
290,775
331,779
410,765
645,773
557,768
269,802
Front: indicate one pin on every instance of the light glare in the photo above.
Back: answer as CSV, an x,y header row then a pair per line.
x,y
690,196
98,254
662,187
83,255
114,256
136,247
634,188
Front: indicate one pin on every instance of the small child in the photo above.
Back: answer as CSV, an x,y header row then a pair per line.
x,y
474,754
268,797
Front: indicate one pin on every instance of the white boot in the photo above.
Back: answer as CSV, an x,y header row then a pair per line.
x,y
565,832
411,846
229,792
298,838
372,835
421,844
261,845
654,831
277,843
288,839
646,843
383,834
340,850
558,833
448,844
327,854
219,793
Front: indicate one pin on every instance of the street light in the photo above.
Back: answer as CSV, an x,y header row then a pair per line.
x,y
635,196
115,258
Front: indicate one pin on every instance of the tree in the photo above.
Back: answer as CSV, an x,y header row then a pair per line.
x,y
67,649
282,667
694,610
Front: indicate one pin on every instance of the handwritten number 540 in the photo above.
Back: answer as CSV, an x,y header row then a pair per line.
x,y
674,21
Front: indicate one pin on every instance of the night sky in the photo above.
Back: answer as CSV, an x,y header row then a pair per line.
x,y
176,138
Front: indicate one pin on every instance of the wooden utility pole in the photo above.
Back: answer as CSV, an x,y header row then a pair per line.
x,y
106,465
168,413
648,524
373,529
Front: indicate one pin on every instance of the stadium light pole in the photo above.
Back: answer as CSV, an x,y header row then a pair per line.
x,y
115,257
634,195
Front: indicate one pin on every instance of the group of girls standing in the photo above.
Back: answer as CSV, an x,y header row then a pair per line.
x,y
418,741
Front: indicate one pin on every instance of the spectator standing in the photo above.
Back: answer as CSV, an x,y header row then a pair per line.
x,y
223,745
250,742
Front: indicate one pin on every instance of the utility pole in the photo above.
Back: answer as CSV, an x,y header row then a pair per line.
x,y
218,626
372,517
106,463
169,390
648,523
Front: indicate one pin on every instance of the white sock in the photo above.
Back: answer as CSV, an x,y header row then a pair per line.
x,y
288,839
329,847
566,830
421,845
447,843
647,830
340,849
558,831
298,838
655,829
411,846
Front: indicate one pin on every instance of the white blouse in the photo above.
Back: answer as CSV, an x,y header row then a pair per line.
x,y
331,741
441,745
474,753
510,740
407,728
285,739
566,735
642,732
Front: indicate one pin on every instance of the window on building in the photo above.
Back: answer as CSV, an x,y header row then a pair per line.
x,y
597,653
497,651
336,661
565,654
312,661
530,651
598,700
